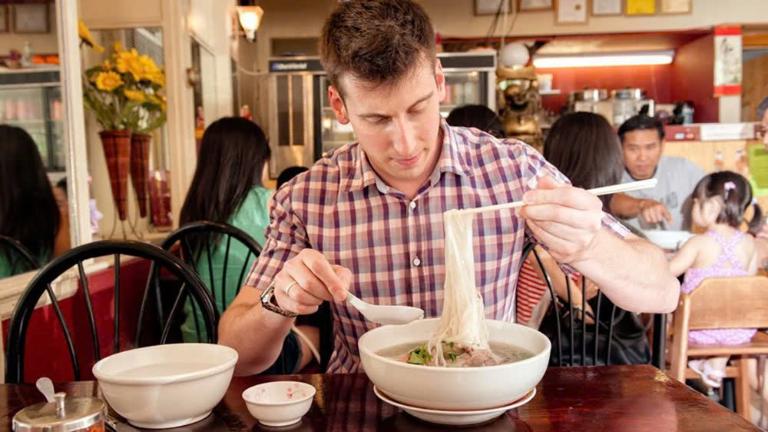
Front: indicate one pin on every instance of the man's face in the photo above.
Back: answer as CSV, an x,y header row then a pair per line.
x,y
397,125
642,151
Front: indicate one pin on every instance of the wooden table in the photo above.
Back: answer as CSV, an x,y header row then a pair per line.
x,y
612,398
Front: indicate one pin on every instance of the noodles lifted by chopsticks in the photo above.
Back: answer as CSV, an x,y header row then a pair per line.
x,y
462,322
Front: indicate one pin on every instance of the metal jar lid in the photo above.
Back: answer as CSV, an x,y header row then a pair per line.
x,y
62,415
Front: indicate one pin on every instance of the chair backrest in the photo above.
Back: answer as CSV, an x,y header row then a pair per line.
x,y
18,257
577,343
198,242
733,302
41,284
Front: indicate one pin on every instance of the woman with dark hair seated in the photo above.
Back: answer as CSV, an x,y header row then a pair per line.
x,y
28,209
227,187
585,148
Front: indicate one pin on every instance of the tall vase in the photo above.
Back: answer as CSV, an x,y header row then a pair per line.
x,y
117,152
140,168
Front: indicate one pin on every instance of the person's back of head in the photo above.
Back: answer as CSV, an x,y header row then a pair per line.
x,y
477,116
28,209
289,173
736,197
641,122
584,147
376,41
233,154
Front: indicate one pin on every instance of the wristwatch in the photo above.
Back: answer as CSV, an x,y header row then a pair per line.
x,y
268,302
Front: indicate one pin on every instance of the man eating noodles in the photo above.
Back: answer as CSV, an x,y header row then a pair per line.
x,y
368,218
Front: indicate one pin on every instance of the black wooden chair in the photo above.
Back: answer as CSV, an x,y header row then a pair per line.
x,y
615,336
18,257
160,261
196,241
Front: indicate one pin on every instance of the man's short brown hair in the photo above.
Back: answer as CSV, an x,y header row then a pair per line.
x,y
377,41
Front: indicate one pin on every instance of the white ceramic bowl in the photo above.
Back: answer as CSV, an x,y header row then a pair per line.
x,y
279,403
444,388
166,386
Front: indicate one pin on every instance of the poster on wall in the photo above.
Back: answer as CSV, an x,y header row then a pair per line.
x,y
606,7
571,12
727,60
675,6
641,7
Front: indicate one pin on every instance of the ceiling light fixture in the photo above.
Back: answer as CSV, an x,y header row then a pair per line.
x,y
250,18
601,60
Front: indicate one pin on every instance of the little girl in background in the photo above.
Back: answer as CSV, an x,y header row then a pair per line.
x,y
719,202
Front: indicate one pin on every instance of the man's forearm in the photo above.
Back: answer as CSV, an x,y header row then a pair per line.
x,y
255,333
624,206
633,273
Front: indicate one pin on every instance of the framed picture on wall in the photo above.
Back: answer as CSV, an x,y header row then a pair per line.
x,y
675,6
4,22
492,7
31,18
641,7
606,7
571,12
533,5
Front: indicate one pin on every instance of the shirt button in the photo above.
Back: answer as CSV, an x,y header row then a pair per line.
x,y
412,205
416,262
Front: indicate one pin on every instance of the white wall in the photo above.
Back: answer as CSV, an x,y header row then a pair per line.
x,y
455,18
46,43
121,13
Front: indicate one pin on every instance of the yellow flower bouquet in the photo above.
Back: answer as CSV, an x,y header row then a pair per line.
x,y
125,94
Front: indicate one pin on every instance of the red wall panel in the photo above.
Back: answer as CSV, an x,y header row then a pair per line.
x,y
655,80
46,351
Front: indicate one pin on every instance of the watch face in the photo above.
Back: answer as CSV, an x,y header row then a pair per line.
x,y
31,18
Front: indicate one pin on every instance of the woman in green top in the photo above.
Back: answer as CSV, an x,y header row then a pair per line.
x,y
28,209
227,187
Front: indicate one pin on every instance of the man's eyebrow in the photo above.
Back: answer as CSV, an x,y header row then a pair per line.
x,y
374,114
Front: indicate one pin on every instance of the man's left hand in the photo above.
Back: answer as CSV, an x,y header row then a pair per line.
x,y
563,218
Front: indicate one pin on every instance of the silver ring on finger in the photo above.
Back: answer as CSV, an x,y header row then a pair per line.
x,y
289,287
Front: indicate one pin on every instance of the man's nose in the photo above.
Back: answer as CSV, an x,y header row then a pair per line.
x,y
404,140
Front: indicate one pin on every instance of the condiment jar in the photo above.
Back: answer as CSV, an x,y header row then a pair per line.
x,y
79,414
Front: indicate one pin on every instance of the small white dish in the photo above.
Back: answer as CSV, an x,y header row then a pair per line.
x,y
455,418
279,403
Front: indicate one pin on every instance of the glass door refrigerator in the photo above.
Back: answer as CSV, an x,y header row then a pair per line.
x,y
303,127
31,100
470,80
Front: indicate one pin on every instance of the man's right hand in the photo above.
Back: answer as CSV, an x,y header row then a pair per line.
x,y
307,280
653,212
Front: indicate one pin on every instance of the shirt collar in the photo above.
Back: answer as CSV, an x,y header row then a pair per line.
x,y
450,160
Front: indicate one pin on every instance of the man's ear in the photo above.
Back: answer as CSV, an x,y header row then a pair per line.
x,y
440,80
337,104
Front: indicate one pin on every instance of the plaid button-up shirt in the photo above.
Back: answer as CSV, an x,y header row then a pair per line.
x,y
395,246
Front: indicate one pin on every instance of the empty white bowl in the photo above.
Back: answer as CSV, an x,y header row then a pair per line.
x,y
668,240
166,386
453,388
279,403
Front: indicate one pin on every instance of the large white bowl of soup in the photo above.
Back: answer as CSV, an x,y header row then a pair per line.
x,y
166,386
384,352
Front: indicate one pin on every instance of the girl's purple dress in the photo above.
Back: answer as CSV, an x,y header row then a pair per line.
x,y
720,268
